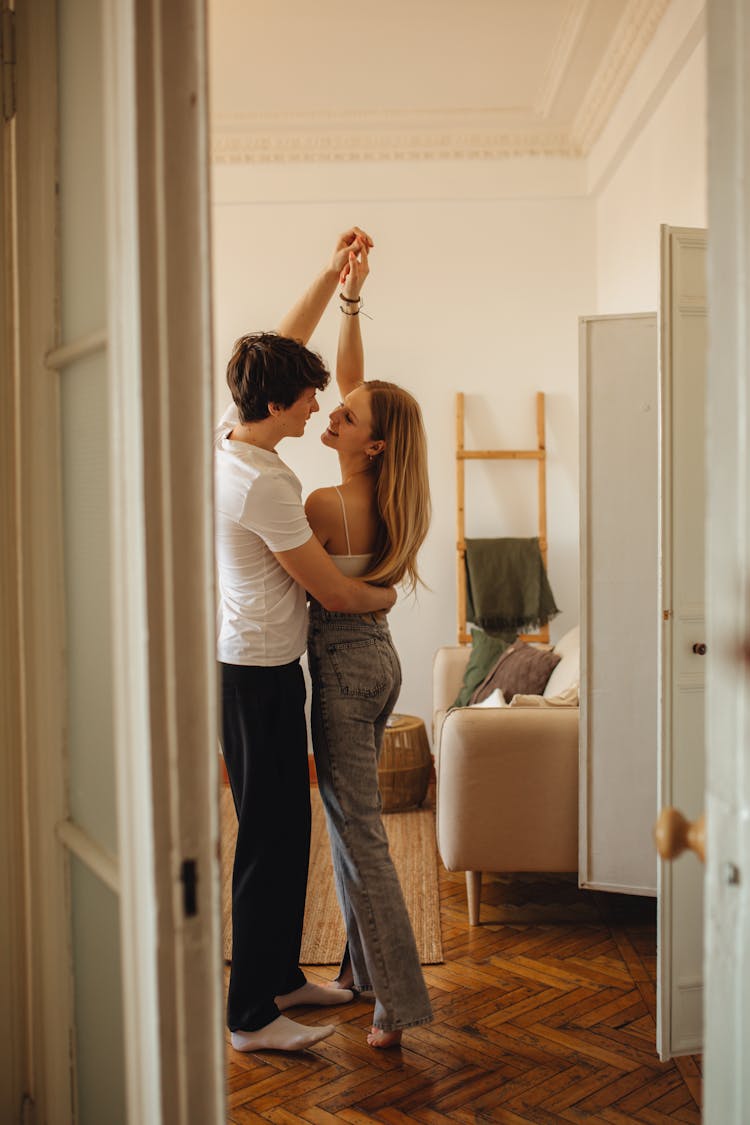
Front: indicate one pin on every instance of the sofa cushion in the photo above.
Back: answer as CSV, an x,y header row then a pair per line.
x,y
522,669
485,650
567,698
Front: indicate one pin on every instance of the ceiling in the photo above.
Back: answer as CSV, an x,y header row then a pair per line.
x,y
418,79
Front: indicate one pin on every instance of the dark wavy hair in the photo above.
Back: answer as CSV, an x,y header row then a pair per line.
x,y
265,367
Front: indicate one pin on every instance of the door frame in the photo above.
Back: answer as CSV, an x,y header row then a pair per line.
x,y
726,924
15,1055
175,509
40,582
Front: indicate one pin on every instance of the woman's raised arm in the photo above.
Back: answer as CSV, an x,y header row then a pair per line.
x,y
350,356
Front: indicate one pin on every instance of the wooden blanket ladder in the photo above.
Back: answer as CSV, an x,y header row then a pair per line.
x,y
462,456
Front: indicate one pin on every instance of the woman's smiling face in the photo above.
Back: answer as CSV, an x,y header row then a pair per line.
x,y
350,426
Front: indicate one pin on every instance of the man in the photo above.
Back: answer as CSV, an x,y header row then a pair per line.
x,y
267,557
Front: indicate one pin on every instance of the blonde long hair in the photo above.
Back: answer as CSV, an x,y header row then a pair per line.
x,y
402,489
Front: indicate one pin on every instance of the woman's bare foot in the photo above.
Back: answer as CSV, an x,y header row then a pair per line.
x,y
376,1037
324,995
342,982
281,1034
358,993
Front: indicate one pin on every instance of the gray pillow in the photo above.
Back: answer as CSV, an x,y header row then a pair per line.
x,y
520,670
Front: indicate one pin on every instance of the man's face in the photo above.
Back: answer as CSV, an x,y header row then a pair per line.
x,y
298,414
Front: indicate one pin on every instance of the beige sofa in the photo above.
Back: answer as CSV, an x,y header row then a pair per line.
x,y
507,777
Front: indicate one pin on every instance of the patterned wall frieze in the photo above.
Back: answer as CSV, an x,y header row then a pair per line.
x,y
258,140
268,146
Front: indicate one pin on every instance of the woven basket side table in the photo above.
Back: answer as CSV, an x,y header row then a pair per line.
x,y
405,765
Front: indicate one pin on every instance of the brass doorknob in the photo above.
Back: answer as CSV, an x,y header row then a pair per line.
x,y
699,648
673,834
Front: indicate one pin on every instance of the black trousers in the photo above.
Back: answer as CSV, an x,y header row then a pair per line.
x,y
264,739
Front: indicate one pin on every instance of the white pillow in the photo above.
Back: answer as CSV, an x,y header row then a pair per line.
x,y
569,642
567,674
494,699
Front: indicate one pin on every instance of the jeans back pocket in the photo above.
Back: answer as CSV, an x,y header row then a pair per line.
x,y
360,669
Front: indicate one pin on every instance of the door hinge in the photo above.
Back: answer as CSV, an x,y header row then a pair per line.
x,y
189,878
8,59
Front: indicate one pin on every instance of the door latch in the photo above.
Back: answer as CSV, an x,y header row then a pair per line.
x,y
189,879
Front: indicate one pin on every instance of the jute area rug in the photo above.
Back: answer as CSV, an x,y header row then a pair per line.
x,y
411,836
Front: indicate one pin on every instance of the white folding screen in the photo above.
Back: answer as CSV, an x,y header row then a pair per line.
x,y
619,432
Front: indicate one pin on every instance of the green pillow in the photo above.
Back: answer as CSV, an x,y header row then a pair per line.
x,y
485,650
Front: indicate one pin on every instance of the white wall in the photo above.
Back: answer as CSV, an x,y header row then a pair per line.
x,y
649,166
479,274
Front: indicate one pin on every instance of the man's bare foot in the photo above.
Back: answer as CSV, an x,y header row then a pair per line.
x,y
281,1034
323,995
376,1037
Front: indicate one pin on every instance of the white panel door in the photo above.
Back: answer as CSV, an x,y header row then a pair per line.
x,y
727,921
114,550
683,331
618,397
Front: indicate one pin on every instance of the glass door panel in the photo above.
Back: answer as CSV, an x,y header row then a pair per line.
x,y
86,514
90,833
98,999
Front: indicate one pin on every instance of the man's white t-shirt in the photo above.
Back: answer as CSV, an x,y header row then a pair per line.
x,y
262,616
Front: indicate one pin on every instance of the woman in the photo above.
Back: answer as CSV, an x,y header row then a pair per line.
x,y
372,525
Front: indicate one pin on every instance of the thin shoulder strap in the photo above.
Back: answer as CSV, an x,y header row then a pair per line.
x,y
346,525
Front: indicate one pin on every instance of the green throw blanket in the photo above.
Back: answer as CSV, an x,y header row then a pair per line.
x,y
507,585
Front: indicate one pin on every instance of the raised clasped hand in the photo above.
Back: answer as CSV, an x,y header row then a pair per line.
x,y
351,242
354,273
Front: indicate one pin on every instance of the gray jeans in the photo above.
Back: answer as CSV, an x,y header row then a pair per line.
x,y
356,678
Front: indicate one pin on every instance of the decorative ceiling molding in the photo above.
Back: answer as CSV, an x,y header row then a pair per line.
x,y
275,147
408,134
570,31
350,120
632,35
464,133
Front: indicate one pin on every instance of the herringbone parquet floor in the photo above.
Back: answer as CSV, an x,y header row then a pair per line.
x,y
541,1022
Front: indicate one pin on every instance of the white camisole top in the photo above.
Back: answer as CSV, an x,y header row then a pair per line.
x,y
351,565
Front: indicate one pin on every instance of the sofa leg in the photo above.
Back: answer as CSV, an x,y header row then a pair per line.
x,y
473,895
